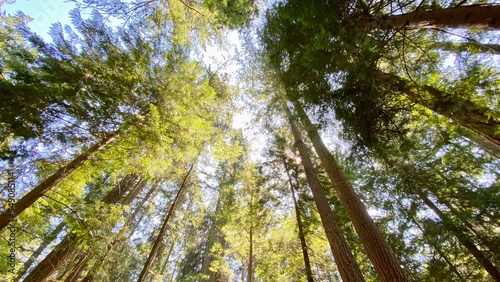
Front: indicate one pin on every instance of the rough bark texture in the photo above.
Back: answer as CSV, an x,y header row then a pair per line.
x,y
349,270
385,263
163,229
307,263
462,237
58,257
52,181
481,17
473,118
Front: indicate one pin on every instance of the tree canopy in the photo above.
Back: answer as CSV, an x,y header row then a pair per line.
x,y
341,141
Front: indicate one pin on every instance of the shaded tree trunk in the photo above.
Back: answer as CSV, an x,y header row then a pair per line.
x,y
46,242
163,229
385,263
348,268
57,257
307,263
477,125
481,17
35,194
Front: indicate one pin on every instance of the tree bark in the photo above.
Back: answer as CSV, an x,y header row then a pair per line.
x,y
307,263
477,125
46,242
163,229
461,236
57,257
347,266
480,17
386,265
35,194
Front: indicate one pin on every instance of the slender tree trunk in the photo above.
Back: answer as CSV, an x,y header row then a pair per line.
x,y
79,267
480,17
163,229
476,124
471,47
348,268
250,257
386,265
307,263
435,246
57,257
35,194
137,188
137,211
461,236
46,242
207,257
169,253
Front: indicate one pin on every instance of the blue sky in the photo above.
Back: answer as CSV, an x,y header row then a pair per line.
x,y
43,12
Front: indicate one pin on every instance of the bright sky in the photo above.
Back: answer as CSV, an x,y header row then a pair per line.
x,y
43,12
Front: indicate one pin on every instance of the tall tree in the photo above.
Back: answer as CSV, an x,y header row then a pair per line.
x,y
164,226
386,264
346,264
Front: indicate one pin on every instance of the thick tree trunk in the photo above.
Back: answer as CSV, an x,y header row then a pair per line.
x,y
476,124
307,263
461,236
52,181
480,17
57,257
348,268
163,229
386,265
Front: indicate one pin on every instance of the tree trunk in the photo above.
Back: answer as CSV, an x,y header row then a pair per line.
x,y
438,249
163,229
386,265
480,17
46,242
57,257
137,211
477,124
307,263
348,268
471,47
52,181
250,258
461,236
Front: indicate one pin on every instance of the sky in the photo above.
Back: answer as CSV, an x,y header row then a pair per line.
x,y
43,12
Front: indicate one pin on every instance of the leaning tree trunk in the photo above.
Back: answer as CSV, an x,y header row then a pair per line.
x,y
476,123
348,268
385,263
471,47
52,181
438,249
46,242
461,235
480,17
307,263
57,257
163,229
